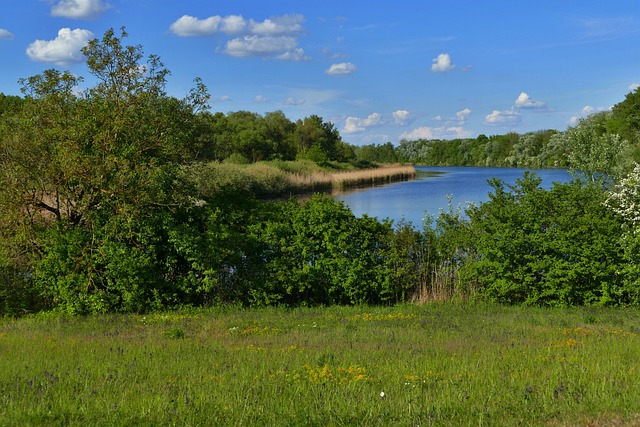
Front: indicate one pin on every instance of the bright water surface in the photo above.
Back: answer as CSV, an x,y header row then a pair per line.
x,y
430,191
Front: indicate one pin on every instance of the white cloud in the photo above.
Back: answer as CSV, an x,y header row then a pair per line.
x,y
286,24
503,117
261,99
63,50
223,98
342,69
274,47
79,9
274,38
587,109
442,63
188,26
463,115
418,133
632,86
294,101
5,35
232,24
356,124
524,101
294,55
401,117
458,132
351,125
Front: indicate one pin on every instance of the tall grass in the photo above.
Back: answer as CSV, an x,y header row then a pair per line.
x,y
278,178
434,364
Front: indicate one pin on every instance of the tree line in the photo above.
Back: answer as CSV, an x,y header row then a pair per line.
x,y
541,149
101,209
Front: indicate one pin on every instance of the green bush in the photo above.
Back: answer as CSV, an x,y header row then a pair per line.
x,y
528,245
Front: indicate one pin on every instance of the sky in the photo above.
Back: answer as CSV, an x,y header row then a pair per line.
x,y
380,71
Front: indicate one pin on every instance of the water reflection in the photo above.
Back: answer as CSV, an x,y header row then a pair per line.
x,y
434,188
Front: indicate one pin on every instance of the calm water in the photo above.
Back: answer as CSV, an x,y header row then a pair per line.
x,y
429,192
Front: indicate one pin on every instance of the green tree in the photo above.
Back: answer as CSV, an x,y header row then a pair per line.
x,y
625,118
317,140
91,181
595,152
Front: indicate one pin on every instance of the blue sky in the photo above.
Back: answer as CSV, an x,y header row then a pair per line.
x,y
379,70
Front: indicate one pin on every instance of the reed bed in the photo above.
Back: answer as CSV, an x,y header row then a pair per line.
x,y
274,179
325,181
372,177
432,364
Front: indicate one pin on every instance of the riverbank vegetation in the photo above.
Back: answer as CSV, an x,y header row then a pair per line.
x,y
279,178
120,198
435,364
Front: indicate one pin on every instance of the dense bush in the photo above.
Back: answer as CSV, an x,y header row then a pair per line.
x,y
528,245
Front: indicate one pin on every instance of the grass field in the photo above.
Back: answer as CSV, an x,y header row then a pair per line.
x,y
432,364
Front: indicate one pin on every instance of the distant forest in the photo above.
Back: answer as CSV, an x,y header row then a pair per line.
x,y
247,137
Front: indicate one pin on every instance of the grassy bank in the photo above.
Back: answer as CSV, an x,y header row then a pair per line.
x,y
279,178
409,365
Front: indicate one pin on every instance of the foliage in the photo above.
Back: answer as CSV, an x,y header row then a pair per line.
x,y
320,253
623,199
120,198
594,151
376,153
536,150
529,246
625,118
90,180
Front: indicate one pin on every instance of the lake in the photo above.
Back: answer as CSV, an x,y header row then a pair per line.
x,y
430,191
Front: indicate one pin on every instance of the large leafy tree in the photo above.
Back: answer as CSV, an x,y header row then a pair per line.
x,y
625,118
595,152
91,180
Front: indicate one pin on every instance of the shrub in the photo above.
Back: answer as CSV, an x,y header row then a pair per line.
x,y
545,247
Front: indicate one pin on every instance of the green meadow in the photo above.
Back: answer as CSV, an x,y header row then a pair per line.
x,y
432,364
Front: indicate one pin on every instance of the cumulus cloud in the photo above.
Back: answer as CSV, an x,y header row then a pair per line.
x,y
356,124
442,63
63,50
5,35
524,101
261,99
190,26
79,9
342,69
458,132
463,115
275,47
286,24
401,117
632,86
503,117
436,133
418,133
586,111
274,38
